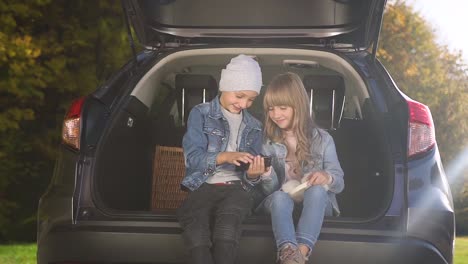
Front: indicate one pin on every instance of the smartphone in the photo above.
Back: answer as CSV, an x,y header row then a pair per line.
x,y
245,166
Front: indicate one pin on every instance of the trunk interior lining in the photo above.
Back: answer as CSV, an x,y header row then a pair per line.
x,y
125,159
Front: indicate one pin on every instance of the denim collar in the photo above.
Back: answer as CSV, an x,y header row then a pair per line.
x,y
249,120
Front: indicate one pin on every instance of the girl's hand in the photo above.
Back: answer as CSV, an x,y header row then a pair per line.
x,y
319,178
234,158
256,168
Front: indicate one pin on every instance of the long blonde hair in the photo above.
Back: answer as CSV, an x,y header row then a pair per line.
x,y
287,89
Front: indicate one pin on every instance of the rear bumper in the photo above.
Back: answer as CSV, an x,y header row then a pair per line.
x,y
152,247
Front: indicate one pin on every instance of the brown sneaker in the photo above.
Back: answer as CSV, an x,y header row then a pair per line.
x,y
290,254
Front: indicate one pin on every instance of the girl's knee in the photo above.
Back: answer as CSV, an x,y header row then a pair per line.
x,y
280,197
316,192
281,200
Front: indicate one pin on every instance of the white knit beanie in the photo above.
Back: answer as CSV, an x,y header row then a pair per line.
x,y
242,73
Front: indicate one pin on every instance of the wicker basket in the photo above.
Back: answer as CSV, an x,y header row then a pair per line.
x,y
169,169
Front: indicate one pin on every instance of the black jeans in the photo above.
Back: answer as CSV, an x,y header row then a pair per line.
x,y
211,218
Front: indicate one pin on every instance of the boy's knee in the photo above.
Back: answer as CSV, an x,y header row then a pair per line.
x,y
196,230
189,220
197,238
227,228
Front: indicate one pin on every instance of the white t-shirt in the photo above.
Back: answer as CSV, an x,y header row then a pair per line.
x,y
227,172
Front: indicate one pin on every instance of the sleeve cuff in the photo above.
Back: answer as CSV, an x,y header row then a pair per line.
x,y
252,182
330,179
211,163
266,175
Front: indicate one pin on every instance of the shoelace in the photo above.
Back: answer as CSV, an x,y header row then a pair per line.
x,y
288,252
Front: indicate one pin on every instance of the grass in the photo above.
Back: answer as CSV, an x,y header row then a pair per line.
x,y
18,254
26,253
461,250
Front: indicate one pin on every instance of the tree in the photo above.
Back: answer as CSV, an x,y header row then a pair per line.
x,y
50,53
431,74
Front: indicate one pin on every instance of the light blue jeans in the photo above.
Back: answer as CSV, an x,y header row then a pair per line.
x,y
315,206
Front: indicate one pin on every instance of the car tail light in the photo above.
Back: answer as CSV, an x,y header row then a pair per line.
x,y
71,130
421,129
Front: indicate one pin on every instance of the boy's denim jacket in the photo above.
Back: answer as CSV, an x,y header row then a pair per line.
x,y
324,158
207,135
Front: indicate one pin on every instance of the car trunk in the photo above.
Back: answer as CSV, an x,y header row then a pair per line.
x,y
341,23
139,162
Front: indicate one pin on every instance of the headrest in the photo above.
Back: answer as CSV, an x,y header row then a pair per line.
x,y
195,89
327,95
195,82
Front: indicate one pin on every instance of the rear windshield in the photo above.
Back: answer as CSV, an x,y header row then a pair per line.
x,y
254,14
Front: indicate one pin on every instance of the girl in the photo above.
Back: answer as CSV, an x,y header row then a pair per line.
x,y
302,153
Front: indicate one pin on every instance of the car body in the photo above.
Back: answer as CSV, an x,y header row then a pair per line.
x,y
396,207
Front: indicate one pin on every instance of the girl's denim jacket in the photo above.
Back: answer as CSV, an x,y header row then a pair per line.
x,y
207,135
324,159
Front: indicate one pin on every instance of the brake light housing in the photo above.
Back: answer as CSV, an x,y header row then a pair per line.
x,y
421,132
71,130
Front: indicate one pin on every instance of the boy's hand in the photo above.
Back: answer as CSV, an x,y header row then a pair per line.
x,y
256,168
234,158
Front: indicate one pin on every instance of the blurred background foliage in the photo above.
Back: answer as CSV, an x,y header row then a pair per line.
x,y
50,53
54,51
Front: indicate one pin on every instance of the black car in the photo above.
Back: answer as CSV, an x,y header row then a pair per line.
x,y
116,183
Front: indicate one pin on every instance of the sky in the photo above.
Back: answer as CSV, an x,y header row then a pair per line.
x,y
446,18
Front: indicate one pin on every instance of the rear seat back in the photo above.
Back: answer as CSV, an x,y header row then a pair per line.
x,y
327,95
169,166
193,89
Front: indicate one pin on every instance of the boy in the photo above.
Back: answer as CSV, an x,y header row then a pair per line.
x,y
221,135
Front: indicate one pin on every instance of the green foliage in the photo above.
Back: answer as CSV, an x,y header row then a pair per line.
x,y
50,53
18,254
427,72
